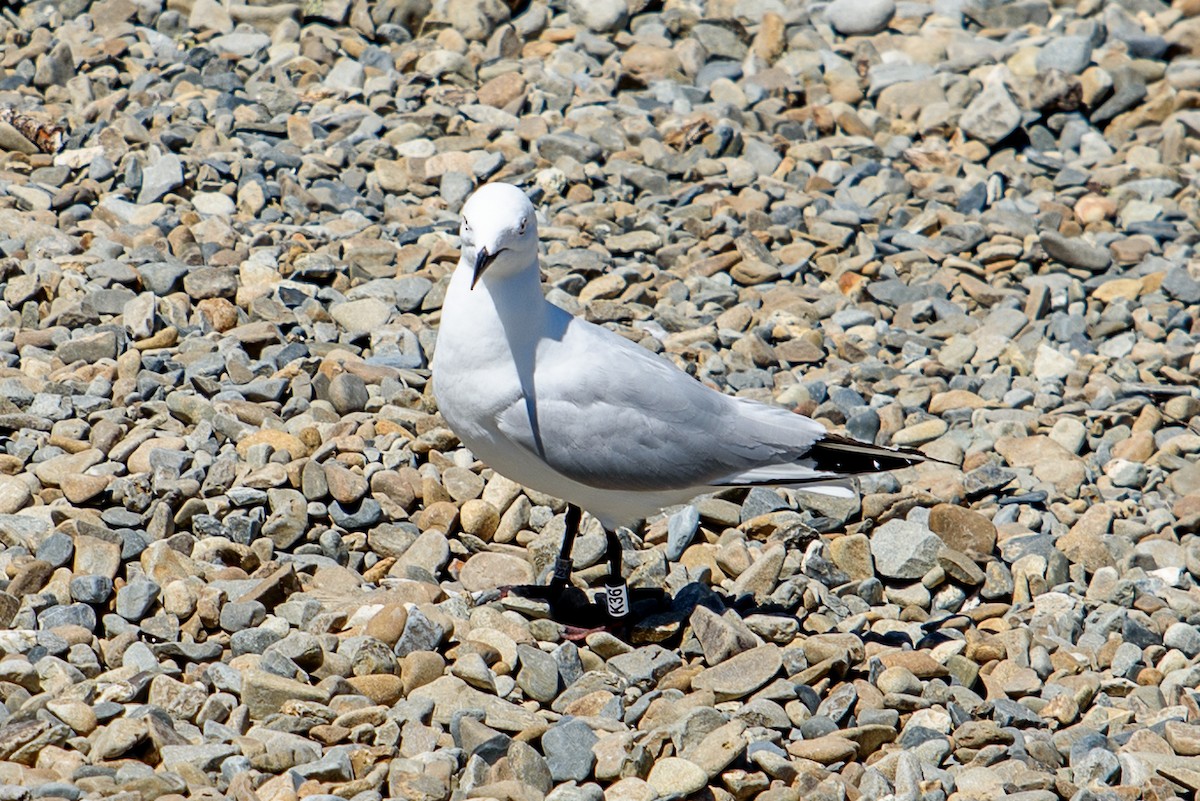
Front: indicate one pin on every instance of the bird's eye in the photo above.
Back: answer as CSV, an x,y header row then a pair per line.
x,y
521,229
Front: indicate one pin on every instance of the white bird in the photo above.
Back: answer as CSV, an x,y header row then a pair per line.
x,y
578,412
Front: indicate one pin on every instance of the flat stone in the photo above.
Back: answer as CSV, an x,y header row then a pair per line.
x,y
742,674
827,749
963,530
487,570
265,693
1075,252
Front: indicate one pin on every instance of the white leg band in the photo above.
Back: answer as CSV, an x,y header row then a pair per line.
x,y
617,600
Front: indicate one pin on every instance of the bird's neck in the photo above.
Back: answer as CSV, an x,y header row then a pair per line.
x,y
518,295
513,302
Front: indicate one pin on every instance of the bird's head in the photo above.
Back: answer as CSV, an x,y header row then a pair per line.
x,y
499,232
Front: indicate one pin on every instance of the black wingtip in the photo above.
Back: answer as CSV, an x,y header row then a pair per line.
x,y
838,454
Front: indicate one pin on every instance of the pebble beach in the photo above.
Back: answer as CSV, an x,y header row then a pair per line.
x,y
243,557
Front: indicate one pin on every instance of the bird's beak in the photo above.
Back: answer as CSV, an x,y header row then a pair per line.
x,y
483,260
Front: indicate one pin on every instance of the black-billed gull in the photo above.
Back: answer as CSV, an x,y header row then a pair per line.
x,y
576,411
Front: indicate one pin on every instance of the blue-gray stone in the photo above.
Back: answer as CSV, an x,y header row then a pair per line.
x,y
1007,712
224,678
848,318
56,790
333,767
1096,767
761,501
1086,743
568,749
252,641
553,146
645,665
239,615
420,634
198,652
1183,636
863,425
118,517
139,656
817,726
233,766
912,736
52,642
133,542
455,187
57,549
1070,54
356,516
1177,283
91,589
538,676
77,614
263,389
137,598
570,666
160,177
681,528
162,277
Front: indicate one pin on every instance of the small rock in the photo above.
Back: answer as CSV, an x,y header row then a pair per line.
x,y
598,16
673,777
490,570
568,748
991,115
860,17
348,393
904,550
162,175
742,674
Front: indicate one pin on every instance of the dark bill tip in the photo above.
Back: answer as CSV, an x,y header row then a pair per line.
x,y
483,260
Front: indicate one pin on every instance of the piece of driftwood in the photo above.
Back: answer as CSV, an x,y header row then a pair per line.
x,y
46,136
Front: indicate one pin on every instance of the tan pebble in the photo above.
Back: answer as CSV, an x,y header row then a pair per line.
x,y
387,624
278,440
826,750
674,776
81,488
1094,208
479,518
345,485
219,313
382,688
420,668
441,515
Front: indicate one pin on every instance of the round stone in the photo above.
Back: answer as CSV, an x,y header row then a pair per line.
x,y
860,17
675,777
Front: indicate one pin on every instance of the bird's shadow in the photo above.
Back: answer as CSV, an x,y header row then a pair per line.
x,y
679,608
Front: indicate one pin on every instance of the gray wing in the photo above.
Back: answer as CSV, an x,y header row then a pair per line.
x,y
607,413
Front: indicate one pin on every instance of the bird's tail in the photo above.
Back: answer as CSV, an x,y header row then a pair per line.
x,y
829,464
837,454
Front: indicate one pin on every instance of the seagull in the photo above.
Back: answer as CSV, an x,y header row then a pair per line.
x,y
576,411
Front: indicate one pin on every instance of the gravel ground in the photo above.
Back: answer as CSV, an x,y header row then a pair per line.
x,y
242,556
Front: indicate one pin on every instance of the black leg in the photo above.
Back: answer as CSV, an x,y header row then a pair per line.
x,y
570,605
616,591
562,565
560,578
